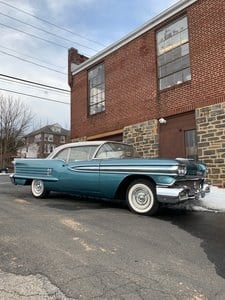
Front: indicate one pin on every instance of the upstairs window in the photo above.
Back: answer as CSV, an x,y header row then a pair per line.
x,y
96,85
173,54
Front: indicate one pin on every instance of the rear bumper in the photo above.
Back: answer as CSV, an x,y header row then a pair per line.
x,y
12,178
173,195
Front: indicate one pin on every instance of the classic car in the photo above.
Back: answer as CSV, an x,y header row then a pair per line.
x,y
113,170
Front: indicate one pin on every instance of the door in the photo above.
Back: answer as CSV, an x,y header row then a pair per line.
x,y
178,137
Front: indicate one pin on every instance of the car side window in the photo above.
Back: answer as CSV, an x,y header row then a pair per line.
x,y
81,153
63,154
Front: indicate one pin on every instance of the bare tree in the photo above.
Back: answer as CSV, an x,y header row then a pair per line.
x,y
15,118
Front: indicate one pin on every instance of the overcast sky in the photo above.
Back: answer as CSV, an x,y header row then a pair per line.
x,y
91,26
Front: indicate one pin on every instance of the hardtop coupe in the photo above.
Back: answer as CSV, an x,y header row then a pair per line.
x,y
113,170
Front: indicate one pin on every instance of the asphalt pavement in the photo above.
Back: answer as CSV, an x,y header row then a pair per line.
x,y
69,248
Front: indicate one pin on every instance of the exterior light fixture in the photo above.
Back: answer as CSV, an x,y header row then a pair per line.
x,y
162,121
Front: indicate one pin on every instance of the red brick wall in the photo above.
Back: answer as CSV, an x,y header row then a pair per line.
x,y
131,79
207,52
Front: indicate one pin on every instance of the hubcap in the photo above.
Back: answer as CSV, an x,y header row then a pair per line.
x,y
141,198
38,187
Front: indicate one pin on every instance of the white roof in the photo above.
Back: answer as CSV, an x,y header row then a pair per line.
x,y
174,9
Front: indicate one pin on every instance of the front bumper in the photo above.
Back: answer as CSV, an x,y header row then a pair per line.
x,y
173,195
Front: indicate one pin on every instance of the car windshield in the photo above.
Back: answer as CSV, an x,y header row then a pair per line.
x,y
115,150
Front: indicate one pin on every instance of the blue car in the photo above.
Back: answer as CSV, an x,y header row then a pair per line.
x,y
113,170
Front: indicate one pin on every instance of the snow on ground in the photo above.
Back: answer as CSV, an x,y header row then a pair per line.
x,y
213,201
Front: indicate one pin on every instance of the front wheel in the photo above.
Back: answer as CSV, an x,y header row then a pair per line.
x,y
38,189
141,197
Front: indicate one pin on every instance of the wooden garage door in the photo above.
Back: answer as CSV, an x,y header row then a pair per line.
x,y
178,136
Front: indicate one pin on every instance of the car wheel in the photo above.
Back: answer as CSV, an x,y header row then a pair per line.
x,y
141,197
38,189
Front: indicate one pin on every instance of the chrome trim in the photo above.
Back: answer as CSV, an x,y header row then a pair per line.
x,y
153,170
84,169
172,195
11,176
206,188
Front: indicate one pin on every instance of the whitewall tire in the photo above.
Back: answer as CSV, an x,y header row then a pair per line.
x,y
38,189
141,197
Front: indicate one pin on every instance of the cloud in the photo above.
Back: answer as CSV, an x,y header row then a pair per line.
x,y
91,21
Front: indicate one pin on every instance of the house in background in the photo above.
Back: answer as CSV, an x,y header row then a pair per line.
x,y
40,143
160,88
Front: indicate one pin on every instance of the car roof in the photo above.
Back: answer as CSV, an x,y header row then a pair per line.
x,y
84,143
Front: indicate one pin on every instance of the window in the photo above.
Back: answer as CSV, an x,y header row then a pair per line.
x,y
50,137
115,150
62,139
191,144
96,83
37,138
63,154
173,54
82,153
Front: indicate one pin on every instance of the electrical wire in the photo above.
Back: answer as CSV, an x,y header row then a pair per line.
x,y
33,35
48,32
26,55
29,86
33,63
50,23
28,82
33,96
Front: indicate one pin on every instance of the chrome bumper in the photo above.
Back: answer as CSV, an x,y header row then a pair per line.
x,y
176,195
12,178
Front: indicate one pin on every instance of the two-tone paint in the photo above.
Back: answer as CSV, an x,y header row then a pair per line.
x,y
174,180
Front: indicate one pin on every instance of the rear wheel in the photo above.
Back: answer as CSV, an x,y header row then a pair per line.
x,y
141,197
38,189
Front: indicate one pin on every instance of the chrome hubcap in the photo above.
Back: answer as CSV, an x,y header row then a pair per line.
x,y
38,187
141,197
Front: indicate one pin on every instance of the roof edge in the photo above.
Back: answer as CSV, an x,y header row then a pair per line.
x,y
166,14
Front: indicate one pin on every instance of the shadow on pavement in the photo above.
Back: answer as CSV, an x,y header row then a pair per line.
x,y
207,226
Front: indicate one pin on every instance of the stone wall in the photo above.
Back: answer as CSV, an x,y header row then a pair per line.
x,y
144,137
210,122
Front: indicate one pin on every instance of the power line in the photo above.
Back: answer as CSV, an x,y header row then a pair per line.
x,y
33,35
10,81
33,96
25,54
34,83
50,23
33,63
48,32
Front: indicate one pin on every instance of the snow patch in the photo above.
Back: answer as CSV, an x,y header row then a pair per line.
x,y
213,201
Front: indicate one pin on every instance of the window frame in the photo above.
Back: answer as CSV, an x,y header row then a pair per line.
x,y
182,73
101,94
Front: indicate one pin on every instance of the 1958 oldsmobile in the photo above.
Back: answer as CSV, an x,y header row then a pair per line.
x,y
112,170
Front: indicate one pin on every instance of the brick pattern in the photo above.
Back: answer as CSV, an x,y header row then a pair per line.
x,y
211,141
132,94
144,137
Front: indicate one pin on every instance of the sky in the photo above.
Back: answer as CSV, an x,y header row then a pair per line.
x,y
36,36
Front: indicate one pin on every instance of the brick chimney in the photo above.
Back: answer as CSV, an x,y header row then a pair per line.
x,y
74,58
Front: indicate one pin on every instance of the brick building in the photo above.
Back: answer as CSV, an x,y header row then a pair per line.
x,y
161,88
40,143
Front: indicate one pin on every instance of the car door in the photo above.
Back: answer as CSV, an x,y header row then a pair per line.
x,y
78,173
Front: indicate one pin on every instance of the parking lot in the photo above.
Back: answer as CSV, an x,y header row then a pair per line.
x,y
65,247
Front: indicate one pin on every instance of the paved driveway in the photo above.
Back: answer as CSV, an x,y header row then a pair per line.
x,y
63,247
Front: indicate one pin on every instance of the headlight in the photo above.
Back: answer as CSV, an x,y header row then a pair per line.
x,y
182,170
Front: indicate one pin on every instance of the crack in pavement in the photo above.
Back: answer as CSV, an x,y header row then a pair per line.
x,y
15,287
